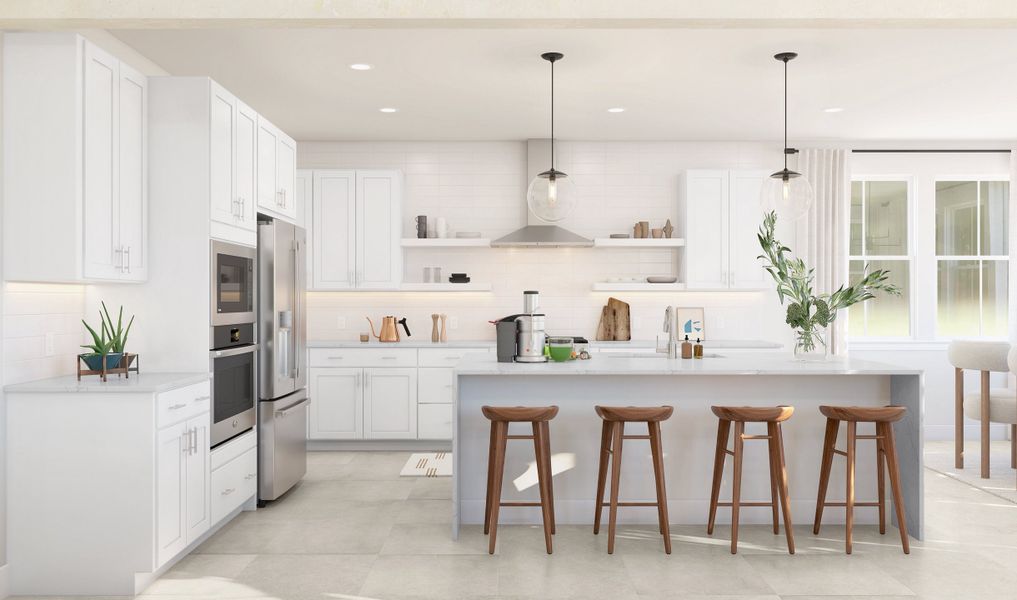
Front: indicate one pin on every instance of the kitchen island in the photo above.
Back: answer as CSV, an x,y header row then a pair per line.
x,y
689,437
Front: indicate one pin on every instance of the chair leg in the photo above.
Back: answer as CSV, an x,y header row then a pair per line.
x,y
499,472
723,427
881,479
785,500
898,498
736,484
605,455
657,450
616,460
849,488
958,419
545,435
985,424
538,452
490,477
829,443
774,499
1013,446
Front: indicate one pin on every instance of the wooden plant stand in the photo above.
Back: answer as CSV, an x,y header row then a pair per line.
x,y
128,363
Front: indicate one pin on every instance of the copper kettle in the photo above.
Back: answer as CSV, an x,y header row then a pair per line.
x,y
389,332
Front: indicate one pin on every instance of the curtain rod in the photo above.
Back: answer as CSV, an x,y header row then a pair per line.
x,y
926,151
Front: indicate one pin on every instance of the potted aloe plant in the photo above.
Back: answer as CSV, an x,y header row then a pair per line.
x,y
809,314
109,341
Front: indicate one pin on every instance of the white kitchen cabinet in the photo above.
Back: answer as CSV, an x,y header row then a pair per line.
x,y
434,421
436,385
723,216
337,404
277,165
246,154
197,506
234,475
390,404
182,484
232,164
75,161
356,230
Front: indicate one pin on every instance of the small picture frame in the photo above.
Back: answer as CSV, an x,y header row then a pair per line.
x,y
692,323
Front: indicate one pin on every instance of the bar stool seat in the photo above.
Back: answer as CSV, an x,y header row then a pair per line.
x,y
611,439
500,417
886,454
773,416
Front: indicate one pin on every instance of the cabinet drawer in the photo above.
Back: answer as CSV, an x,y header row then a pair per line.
x,y
182,403
444,357
434,422
233,483
363,357
436,386
226,452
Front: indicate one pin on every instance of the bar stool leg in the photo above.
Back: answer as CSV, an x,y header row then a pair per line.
x,y
657,450
490,477
736,487
616,459
545,434
538,451
829,443
605,455
881,479
499,472
985,424
785,500
849,502
958,419
1013,446
723,427
894,468
772,453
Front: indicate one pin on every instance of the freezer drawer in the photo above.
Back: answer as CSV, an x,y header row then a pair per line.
x,y
282,439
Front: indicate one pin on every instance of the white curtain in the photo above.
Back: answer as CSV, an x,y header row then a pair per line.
x,y
822,235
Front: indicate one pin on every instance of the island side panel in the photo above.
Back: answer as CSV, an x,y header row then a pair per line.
x,y
909,433
688,440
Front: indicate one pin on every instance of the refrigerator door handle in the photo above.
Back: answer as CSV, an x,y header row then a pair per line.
x,y
295,370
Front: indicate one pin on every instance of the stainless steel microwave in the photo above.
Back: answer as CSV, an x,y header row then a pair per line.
x,y
234,285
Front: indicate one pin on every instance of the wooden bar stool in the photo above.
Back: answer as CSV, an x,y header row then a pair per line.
x,y
500,417
886,453
773,416
611,438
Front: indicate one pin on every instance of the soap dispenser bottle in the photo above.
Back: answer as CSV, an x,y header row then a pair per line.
x,y
686,348
697,350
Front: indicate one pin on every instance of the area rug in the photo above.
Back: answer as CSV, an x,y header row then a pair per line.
x,y
1003,480
431,464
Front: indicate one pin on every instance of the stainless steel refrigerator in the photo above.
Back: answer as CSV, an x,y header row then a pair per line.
x,y
282,368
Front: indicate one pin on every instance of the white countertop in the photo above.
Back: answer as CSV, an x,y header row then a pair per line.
x,y
634,344
138,383
735,364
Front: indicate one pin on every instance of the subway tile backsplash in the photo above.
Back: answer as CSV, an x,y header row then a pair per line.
x,y
42,330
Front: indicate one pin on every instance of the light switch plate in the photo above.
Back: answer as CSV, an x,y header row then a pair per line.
x,y
50,344
340,323
453,322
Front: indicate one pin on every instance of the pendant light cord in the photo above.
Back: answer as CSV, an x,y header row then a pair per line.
x,y
785,114
552,115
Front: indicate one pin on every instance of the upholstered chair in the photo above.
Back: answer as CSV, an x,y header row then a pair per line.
x,y
987,405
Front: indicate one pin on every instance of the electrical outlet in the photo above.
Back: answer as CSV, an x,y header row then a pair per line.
x,y
340,323
50,344
453,322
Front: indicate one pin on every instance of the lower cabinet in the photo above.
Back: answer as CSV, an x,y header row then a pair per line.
x,y
434,421
182,475
390,404
234,475
337,404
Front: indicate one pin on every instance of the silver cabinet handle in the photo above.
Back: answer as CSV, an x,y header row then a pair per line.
x,y
119,253
128,260
228,491
202,399
389,357
194,440
250,476
177,406
450,386
335,358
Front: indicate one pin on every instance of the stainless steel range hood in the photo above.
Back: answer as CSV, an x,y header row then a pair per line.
x,y
542,236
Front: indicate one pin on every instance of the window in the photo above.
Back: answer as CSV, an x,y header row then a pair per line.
x,y
972,257
880,240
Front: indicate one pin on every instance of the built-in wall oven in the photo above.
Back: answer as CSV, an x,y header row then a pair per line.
x,y
234,367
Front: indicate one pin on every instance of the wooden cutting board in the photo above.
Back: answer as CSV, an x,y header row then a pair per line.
x,y
622,319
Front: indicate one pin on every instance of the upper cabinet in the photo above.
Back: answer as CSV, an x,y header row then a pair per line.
x,y
277,167
75,162
355,223
232,165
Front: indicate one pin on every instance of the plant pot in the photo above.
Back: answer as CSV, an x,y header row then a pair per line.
x,y
94,361
810,344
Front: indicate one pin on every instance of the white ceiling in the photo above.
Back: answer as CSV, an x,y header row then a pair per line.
x,y
676,84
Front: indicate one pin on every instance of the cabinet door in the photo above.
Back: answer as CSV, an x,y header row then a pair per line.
x,y
197,501
132,188
303,198
171,485
286,169
379,256
706,209
436,386
246,158
334,230
268,163
390,404
434,421
337,404
745,270
102,254
222,140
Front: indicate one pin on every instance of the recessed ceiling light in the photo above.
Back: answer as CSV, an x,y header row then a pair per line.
x,y
389,110
833,109
616,109
361,67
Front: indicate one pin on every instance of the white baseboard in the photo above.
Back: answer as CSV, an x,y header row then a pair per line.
x,y
5,588
379,445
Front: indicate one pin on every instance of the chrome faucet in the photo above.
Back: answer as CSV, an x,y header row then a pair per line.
x,y
671,329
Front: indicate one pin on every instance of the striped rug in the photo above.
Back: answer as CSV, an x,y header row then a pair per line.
x,y
431,464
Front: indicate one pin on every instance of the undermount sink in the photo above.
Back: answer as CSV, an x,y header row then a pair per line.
x,y
654,355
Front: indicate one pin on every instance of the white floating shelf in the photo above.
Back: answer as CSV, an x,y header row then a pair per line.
x,y
639,242
445,287
638,287
446,242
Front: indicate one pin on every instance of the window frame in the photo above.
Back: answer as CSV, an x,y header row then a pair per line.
x,y
911,258
937,258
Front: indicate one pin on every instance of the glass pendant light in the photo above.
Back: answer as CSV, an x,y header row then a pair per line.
x,y
786,191
551,195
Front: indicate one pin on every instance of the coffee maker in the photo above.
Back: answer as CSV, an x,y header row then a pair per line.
x,y
521,337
